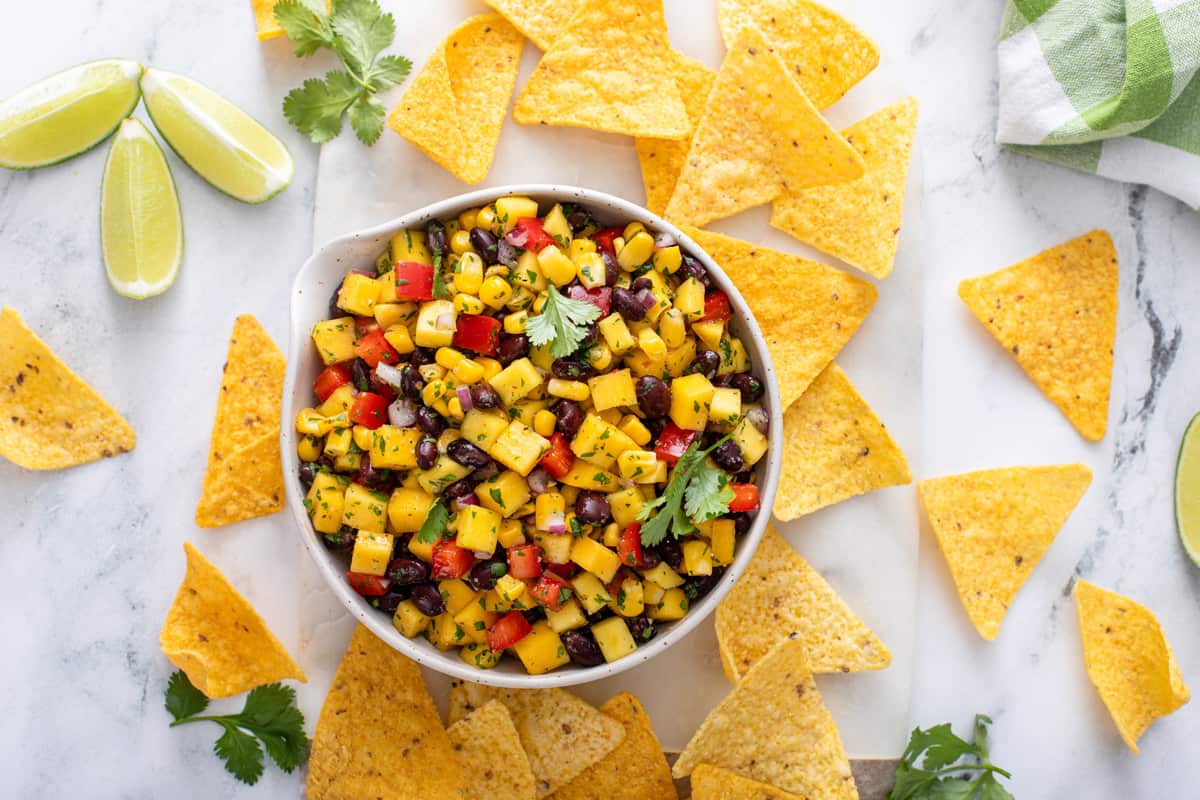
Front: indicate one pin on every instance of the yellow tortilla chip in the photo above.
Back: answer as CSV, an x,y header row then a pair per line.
x,y
774,727
780,594
542,21
264,19
454,108
244,478
859,221
609,70
824,51
713,783
1057,314
1128,659
379,734
50,418
994,526
561,734
662,160
493,763
759,137
215,636
834,448
807,311
637,768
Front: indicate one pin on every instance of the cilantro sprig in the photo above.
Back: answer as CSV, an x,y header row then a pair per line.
x,y
357,31
270,716
696,493
938,777
435,522
563,323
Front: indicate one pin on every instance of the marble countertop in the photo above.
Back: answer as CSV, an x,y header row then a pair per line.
x,y
91,557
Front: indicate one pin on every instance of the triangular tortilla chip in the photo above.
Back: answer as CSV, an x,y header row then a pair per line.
x,y
637,768
217,638
807,311
379,734
50,418
1128,659
1057,314
542,21
780,594
834,448
824,50
494,764
859,221
713,783
662,160
454,108
608,71
994,526
245,484
759,137
774,728
561,734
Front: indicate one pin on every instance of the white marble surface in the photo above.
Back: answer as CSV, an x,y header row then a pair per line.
x,y
91,557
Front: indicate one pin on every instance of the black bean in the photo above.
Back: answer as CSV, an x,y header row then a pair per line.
x,y
723,381
570,417
655,426
308,472
486,472
341,540
582,648
421,356
429,421
706,363
484,396
742,522
691,268
728,456
428,599
511,347
650,558
467,454
334,311
360,375
570,369
671,552
486,245
461,488
577,216
654,398
745,476
400,548
407,571
483,576
642,628
627,305
612,269
750,386
435,237
371,477
411,382
642,283
696,586
427,452
390,601
593,508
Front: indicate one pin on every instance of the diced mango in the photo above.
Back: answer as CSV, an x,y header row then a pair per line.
x,y
697,557
358,295
753,442
341,399
399,338
474,620
511,209
733,356
548,507
599,442
393,314
595,558
372,552
394,448
662,574
509,588
652,593
590,592
335,339
690,398
556,265
504,493
638,466
457,594
363,436
445,632
555,223
616,334
482,428
541,650
364,509
614,638
409,620
410,246
625,506
612,390
556,548
725,409
512,532
337,443
710,332
444,472
722,537
478,655
519,448
422,550
567,618
583,475
633,427
678,359
436,323
642,364
516,381
478,529
689,299
526,411
673,606
528,272
629,601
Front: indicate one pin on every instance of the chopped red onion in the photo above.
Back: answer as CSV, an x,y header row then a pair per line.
x,y
517,237
506,253
486,472
463,502
759,418
556,523
539,481
647,299
402,412
665,239
392,376
464,397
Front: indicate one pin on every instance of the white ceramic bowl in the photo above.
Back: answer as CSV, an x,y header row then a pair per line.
x,y
311,291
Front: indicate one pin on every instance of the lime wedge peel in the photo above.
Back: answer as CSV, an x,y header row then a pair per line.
x,y
141,225
220,142
1187,491
68,113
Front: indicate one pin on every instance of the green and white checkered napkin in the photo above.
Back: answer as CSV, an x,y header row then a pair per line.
x,y
1105,86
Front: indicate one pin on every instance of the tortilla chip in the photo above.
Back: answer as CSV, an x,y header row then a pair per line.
x,y
264,19
824,51
1057,313
662,160
1128,659
807,311
608,71
774,727
493,763
713,783
859,221
994,526
759,137
244,478
542,21
561,734
834,448
781,594
454,108
50,418
637,768
215,636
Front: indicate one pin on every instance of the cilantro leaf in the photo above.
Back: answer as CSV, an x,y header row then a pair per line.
x,y
316,108
435,523
241,753
366,118
708,493
933,767
387,72
183,699
305,24
563,324
363,31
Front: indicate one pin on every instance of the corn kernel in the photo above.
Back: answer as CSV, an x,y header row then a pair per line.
x,y
448,357
543,422
579,247
400,339
468,218
632,427
631,229
311,423
522,298
591,270
612,535
496,269
495,292
486,218
672,328
635,464
454,408
652,344
491,367
431,372
467,304
515,322
637,251
568,390
667,260
309,448
468,371
599,357
468,273
460,243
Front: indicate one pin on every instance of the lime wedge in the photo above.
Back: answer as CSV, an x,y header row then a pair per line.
x,y
68,113
141,227
1187,491
222,143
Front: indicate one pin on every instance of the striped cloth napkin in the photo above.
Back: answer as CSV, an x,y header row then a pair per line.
x,y
1107,87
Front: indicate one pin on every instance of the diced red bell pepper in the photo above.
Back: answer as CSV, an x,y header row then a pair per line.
x,y
373,348
369,410
600,297
673,442
478,333
745,497
604,239
551,591
450,560
629,546
560,458
330,379
368,585
414,281
507,631
567,570
524,561
716,307
536,238
365,325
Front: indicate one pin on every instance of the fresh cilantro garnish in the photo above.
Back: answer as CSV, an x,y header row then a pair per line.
x,y
563,323
435,237
358,31
939,777
696,493
270,716
435,523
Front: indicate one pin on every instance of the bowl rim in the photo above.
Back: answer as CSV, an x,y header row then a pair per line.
x,y
448,662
